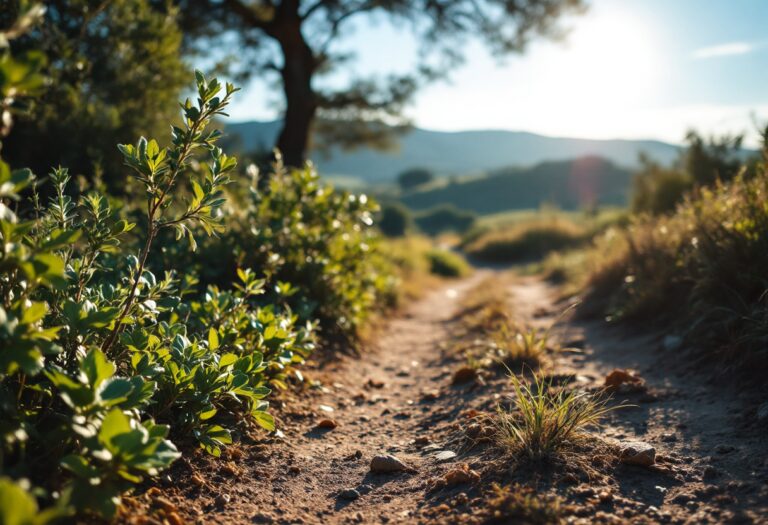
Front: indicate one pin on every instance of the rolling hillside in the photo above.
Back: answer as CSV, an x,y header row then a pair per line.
x,y
450,153
568,184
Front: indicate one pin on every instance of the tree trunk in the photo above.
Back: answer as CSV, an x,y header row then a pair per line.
x,y
300,101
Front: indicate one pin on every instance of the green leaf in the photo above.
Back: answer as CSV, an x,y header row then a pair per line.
x,y
115,390
213,339
264,420
34,313
97,367
17,507
115,423
227,359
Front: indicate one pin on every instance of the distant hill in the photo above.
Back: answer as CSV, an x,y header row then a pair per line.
x,y
568,185
457,152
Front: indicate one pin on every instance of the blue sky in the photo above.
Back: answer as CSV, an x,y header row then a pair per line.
x,y
629,69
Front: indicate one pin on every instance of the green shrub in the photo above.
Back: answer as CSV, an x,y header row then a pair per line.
x,y
446,263
101,358
659,190
444,218
414,177
525,241
317,248
114,71
395,220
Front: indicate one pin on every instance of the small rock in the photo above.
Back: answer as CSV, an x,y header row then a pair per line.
x,y
464,375
619,377
724,449
444,455
230,468
462,474
375,383
638,453
389,463
359,398
430,395
403,372
357,454
197,480
668,437
164,504
173,518
349,494
262,517
364,489
327,423
222,500
421,441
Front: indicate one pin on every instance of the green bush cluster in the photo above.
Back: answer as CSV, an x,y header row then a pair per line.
x,y
395,220
102,359
446,263
301,231
444,218
316,248
658,189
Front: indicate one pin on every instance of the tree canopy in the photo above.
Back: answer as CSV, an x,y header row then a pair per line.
x,y
414,177
296,41
114,71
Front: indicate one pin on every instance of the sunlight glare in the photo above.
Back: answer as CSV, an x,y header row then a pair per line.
x,y
610,61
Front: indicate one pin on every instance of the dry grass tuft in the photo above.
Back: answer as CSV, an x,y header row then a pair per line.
x,y
516,348
545,420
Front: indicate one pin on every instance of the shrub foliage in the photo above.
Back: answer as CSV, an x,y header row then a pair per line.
x,y
102,359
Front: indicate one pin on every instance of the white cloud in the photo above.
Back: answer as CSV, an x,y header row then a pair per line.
x,y
723,50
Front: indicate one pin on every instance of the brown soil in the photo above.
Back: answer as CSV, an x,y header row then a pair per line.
x,y
398,398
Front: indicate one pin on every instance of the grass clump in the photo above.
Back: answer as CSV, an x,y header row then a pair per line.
x,y
447,264
694,266
520,347
545,420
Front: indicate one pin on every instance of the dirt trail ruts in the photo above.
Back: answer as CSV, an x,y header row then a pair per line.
x,y
377,401
400,391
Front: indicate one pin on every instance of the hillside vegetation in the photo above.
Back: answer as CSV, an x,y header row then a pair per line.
x,y
696,269
569,185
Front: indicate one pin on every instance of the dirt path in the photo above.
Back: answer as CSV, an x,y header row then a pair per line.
x,y
397,399
381,402
703,430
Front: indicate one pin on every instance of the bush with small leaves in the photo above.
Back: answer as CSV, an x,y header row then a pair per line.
x,y
100,359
